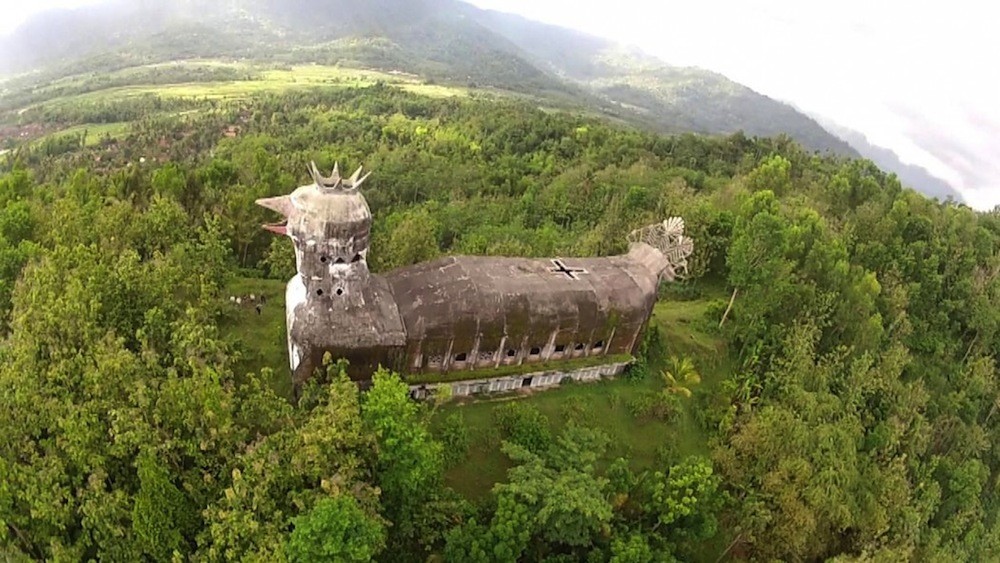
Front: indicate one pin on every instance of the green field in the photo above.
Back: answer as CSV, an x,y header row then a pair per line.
x,y
260,338
257,81
95,132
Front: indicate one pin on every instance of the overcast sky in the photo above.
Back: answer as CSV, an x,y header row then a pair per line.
x,y
918,77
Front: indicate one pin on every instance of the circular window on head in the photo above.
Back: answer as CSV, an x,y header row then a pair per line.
x,y
340,291
319,292
323,259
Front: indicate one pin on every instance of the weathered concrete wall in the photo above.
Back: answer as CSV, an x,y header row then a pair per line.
x,y
536,380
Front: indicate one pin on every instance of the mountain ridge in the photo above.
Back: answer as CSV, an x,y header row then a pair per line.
x,y
912,175
444,40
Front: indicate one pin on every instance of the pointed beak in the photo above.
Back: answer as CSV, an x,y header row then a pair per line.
x,y
281,204
277,228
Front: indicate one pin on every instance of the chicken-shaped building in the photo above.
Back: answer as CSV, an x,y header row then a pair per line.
x,y
460,313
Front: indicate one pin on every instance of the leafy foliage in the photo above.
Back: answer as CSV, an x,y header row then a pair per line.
x,y
859,421
336,529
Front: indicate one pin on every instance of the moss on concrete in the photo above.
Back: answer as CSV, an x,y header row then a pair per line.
x,y
566,365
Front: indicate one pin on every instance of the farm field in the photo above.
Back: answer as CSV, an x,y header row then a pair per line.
x,y
254,79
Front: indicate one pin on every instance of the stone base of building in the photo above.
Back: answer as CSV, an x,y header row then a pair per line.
x,y
506,384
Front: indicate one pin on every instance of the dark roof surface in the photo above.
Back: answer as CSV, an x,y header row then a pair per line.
x,y
461,296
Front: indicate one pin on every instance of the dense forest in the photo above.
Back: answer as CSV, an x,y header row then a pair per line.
x,y
858,421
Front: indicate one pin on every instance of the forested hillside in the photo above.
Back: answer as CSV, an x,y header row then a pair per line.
x,y
447,41
854,413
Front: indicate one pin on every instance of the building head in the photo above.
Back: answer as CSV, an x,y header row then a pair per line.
x,y
330,224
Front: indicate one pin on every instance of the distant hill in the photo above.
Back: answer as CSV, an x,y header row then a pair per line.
x,y
910,175
444,40
673,98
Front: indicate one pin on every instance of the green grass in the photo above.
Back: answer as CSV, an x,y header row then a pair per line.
x,y
260,81
606,405
686,332
261,338
95,131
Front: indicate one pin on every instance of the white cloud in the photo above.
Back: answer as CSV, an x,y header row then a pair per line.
x,y
14,12
918,77
883,68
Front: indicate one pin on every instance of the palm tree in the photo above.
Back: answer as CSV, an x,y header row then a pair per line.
x,y
681,376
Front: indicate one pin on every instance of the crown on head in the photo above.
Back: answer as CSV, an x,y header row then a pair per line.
x,y
334,181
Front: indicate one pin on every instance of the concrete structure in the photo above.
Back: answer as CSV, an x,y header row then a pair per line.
x,y
460,313
531,380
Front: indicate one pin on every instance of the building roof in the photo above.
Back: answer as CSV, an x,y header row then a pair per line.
x,y
459,297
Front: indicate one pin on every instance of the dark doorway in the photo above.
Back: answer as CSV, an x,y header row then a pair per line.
x,y
526,382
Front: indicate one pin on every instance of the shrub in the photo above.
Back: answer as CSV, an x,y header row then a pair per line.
x,y
454,436
637,370
615,398
651,346
575,411
714,311
523,425
667,454
659,406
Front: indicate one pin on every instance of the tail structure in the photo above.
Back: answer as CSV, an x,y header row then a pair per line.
x,y
667,238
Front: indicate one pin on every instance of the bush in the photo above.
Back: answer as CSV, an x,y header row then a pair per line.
x,y
659,406
615,398
454,436
575,411
637,370
651,346
523,425
714,311
667,454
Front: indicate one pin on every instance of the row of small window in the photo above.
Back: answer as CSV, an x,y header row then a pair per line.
x,y
535,351
340,260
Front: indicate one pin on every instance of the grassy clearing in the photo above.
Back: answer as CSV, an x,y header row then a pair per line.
x,y
95,132
260,81
645,442
260,338
606,406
